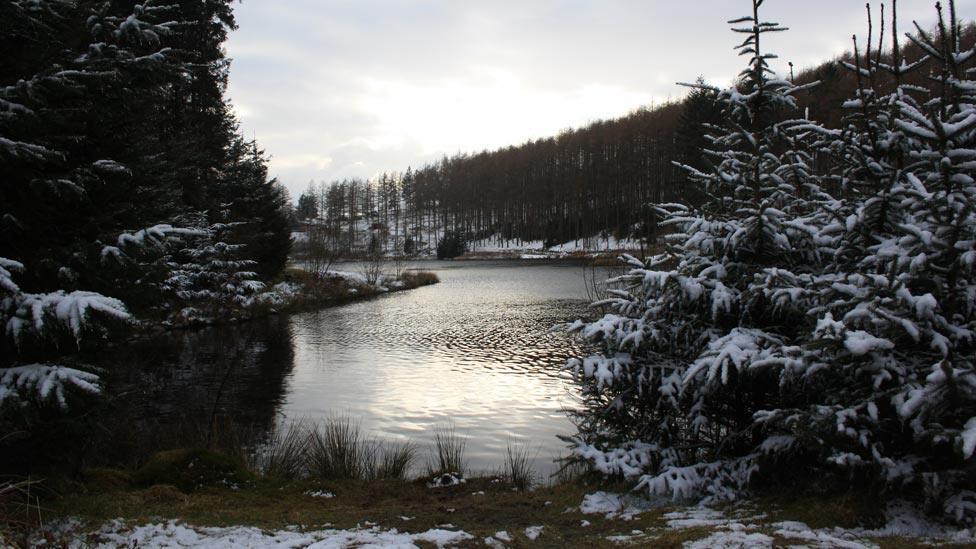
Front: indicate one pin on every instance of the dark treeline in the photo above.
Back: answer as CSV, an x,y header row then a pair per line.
x,y
124,171
603,177
558,189
128,199
600,179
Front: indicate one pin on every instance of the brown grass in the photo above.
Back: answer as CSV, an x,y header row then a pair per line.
x,y
20,510
480,507
416,279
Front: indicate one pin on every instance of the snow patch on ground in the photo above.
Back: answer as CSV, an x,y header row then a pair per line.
x,y
597,244
533,532
734,537
491,245
738,528
612,505
446,479
174,534
695,517
536,249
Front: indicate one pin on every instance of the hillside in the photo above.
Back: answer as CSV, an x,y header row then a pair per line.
x,y
594,182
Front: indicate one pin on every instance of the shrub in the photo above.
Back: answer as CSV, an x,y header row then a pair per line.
x,y
451,246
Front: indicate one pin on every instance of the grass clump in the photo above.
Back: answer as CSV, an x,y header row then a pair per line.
x,y
518,467
415,279
284,454
20,509
448,452
395,460
337,450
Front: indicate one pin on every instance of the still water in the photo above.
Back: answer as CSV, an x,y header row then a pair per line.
x,y
475,351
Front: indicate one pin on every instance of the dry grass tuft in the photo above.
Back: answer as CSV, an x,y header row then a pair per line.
x,y
448,452
518,467
284,454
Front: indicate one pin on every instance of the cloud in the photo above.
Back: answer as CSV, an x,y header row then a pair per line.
x,y
349,88
311,161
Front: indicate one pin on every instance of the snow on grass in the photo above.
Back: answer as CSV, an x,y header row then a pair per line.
x,y
612,505
174,534
349,276
695,517
734,537
319,494
738,528
533,532
493,245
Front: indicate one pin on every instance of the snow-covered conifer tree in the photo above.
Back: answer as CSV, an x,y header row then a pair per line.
x,y
897,303
794,330
35,322
701,332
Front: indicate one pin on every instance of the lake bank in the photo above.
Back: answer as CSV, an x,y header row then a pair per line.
x,y
297,291
483,511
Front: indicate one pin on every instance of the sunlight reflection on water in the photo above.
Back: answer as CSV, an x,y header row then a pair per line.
x,y
476,350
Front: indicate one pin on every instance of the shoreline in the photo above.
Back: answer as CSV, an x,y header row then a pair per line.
x,y
299,291
106,506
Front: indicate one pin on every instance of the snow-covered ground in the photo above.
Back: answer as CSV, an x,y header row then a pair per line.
x,y
174,534
495,245
738,526
743,526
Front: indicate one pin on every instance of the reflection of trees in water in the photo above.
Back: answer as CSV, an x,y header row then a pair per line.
x,y
236,372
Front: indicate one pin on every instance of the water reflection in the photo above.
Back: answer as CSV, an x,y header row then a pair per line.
x,y
237,372
476,351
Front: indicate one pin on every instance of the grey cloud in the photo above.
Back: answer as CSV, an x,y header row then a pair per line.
x,y
343,88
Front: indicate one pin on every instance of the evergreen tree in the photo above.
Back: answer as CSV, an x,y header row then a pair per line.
x,y
124,179
703,335
700,113
792,331
308,207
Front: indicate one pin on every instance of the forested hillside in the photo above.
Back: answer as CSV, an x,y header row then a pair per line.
x,y
602,178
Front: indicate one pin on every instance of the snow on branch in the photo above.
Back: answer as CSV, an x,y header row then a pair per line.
x,y
7,267
158,236
32,312
44,382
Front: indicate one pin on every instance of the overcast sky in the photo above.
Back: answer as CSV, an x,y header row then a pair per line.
x,y
350,88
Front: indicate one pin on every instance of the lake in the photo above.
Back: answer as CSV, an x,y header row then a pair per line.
x,y
476,351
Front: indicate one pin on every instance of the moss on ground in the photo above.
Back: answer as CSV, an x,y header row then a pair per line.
x,y
191,469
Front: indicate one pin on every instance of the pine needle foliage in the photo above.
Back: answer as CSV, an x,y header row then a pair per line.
x,y
815,316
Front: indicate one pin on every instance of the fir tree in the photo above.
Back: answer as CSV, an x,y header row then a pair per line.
x,y
794,331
